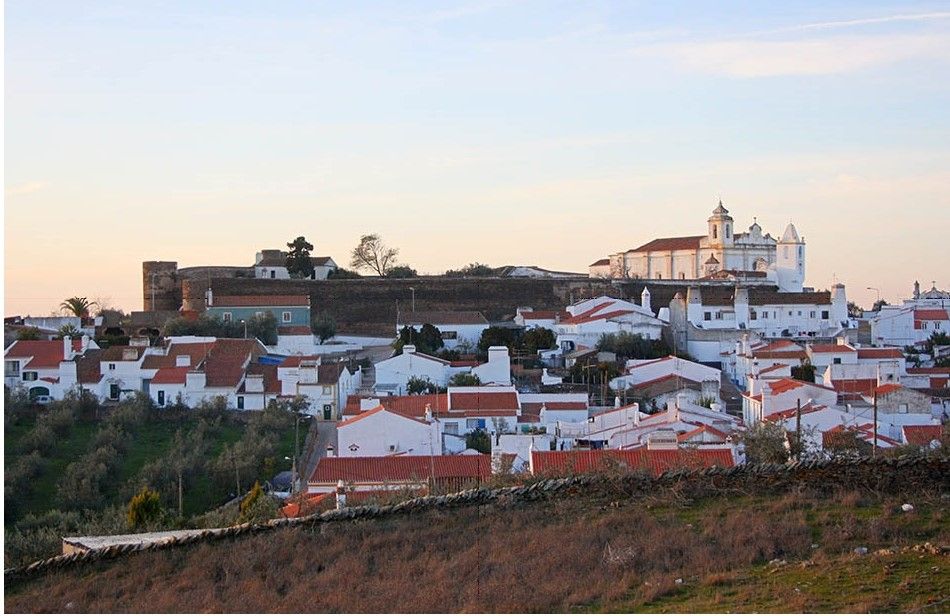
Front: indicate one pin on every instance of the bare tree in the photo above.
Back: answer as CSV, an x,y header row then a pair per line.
x,y
373,255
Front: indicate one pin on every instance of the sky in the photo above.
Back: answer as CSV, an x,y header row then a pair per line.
x,y
544,133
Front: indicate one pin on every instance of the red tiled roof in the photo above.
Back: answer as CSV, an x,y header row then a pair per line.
x,y
922,435
780,386
671,243
831,348
792,412
401,468
329,374
484,401
45,353
269,372
294,360
864,432
854,386
931,314
889,353
88,369
224,365
196,351
779,354
773,368
656,461
685,436
887,388
595,317
262,301
415,405
665,378
371,412
600,262
170,376
587,313
545,315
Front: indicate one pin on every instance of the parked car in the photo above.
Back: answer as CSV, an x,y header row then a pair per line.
x,y
42,399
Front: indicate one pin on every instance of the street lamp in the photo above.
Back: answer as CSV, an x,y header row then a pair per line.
x,y
878,294
244,323
413,289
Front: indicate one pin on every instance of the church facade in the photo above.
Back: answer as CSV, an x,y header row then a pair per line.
x,y
722,253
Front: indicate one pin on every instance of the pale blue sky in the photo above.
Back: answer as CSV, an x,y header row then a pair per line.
x,y
548,133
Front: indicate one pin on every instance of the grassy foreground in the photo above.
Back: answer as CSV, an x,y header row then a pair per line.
x,y
785,552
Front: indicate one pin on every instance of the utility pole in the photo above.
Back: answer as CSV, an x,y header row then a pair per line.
x,y
181,501
874,443
798,429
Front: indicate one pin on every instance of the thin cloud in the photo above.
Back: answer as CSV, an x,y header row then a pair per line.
x,y
851,23
26,188
749,58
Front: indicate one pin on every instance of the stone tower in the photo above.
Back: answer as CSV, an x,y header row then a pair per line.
x,y
160,287
790,261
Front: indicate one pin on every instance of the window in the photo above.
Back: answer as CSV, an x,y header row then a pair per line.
x,y
799,313
273,273
659,276
753,315
471,424
715,231
451,427
727,232
226,317
707,316
286,317
114,391
902,408
259,314
240,402
801,252
824,315
327,389
682,276
30,376
719,315
161,398
111,366
11,367
449,335
811,314
836,360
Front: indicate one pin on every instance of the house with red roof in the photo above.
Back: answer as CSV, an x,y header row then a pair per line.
x,y
393,374
652,460
767,396
407,472
326,385
45,367
591,318
655,381
529,318
381,432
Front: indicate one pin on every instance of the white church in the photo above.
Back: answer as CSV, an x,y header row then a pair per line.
x,y
721,253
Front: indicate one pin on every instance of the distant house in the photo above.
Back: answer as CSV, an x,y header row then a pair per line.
x,y
458,328
289,310
272,264
380,432
326,385
411,472
44,367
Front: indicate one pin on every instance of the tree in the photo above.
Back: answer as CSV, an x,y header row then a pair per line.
x,y
342,274
401,271
77,306
632,346
28,333
68,331
765,443
144,508
263,327
879,304
479,440
299,263
464,379
371,254
472,270
427,340
538,338
855,311
323,326
499,336
804,372
417,385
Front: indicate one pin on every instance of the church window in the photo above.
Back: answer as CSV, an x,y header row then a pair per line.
x,y
715,231
727,232
800,252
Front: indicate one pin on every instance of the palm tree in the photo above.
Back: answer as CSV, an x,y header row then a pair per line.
x,y
77,306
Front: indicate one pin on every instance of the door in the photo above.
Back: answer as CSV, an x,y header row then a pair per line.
x,y
328,411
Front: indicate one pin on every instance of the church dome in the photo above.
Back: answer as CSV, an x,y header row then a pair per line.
x,y
720,210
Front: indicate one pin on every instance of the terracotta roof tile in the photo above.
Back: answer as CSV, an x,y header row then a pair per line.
x,y
922,435
401,468
655,461
671,243
889,353
263,301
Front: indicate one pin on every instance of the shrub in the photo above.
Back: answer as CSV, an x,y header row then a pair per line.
x,y
464,379
144,509
765,443
478,440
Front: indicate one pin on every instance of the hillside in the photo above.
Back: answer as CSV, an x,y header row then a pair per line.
x,y
696,544
71,467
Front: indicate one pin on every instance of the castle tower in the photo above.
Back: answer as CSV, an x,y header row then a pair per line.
x,y
720,227
160,289
790,261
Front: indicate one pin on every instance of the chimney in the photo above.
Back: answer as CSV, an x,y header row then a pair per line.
x,y
340,495
409,349
182,361
616,402
67,347
645,299
209,298
531,456
368,404
331,452
428,413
